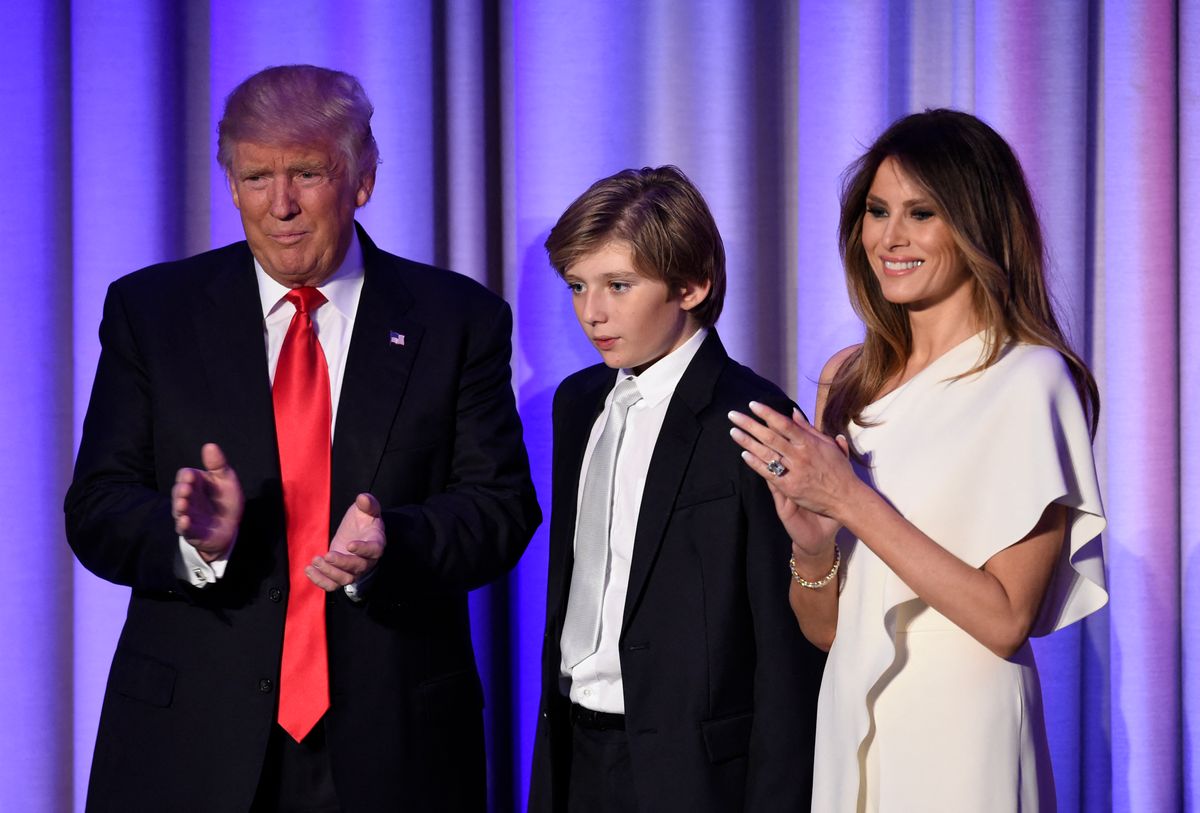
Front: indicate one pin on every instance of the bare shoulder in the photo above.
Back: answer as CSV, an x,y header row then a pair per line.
x,y
835,363
828,372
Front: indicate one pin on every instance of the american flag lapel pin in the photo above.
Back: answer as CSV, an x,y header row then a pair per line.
x,y
396,338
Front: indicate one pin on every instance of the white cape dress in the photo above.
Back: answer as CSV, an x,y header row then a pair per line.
x,y
914,714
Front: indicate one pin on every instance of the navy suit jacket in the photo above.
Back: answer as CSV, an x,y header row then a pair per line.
x,y
720,685
428,426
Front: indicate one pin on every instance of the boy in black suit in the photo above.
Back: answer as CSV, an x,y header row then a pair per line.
x,y
674,676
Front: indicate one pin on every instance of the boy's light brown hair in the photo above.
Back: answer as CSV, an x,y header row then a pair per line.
x,y
663,219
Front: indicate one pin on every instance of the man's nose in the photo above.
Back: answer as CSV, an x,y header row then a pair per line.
x,y
283,199
592,309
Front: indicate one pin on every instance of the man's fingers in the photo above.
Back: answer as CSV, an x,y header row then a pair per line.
x,y
335,570
213,459
335,561
320,579
367,503
181,494
366,548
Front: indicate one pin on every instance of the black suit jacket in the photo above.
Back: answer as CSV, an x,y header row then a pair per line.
x,y
429,427
720,685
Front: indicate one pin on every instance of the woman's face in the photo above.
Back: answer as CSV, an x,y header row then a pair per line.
x,y
910,245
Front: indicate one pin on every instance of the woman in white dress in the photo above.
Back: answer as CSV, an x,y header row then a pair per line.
x,y
948,508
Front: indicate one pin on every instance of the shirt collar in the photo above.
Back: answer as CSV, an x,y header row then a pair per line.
x,y
659,381
342,288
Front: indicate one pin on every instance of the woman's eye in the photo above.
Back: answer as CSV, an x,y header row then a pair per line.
x,y
923,214
876,212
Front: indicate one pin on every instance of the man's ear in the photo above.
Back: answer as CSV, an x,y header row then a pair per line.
x,y
365,187
693,293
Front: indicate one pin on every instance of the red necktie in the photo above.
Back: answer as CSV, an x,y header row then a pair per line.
x,y
302,418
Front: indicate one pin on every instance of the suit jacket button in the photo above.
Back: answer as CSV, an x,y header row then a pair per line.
x,y
264,686
275,594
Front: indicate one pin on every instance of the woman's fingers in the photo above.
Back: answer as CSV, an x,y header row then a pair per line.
x,y
759,451
794,429
778,423
759,432
763,469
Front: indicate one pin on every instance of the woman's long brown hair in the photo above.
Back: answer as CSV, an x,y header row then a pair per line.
x,y
977,184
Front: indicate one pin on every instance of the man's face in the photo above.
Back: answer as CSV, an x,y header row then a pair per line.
x,y
297,206
632,320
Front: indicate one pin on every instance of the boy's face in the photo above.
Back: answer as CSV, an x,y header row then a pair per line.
x,y
631,319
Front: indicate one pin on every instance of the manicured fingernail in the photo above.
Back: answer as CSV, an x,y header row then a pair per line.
x,y
746,456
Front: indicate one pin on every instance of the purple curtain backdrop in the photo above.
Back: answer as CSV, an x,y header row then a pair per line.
x,y
491,118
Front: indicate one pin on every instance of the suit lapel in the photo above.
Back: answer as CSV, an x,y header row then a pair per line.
x,y
669,463
383,349
229,327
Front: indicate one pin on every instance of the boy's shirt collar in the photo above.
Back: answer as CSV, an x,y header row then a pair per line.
x,y
659,381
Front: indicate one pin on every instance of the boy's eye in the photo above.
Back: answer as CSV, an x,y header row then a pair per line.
x,y
576,287
619,287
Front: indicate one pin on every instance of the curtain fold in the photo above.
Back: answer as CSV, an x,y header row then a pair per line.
x,y
492,115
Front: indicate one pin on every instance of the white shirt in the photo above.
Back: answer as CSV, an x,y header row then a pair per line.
x,y
596,680
334,324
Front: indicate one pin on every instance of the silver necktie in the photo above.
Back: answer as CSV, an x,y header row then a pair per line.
x,y
581,629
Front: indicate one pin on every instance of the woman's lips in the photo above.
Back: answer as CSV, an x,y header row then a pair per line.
x,y
895,267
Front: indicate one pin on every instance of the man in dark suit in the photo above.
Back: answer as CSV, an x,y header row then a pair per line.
x,y
300,452
674,676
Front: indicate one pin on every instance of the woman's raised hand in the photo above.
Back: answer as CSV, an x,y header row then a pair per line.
x,y
796,460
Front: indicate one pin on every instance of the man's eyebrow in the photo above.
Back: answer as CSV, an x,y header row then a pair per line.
x,y
302,165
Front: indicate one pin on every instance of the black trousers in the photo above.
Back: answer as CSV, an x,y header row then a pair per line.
x,y
601,772
296,777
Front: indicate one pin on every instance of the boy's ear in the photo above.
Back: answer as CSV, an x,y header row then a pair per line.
x,y
693,293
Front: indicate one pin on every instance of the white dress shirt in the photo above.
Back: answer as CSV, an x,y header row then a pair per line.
x,y
334,324
596,680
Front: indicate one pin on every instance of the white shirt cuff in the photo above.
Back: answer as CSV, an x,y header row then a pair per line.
x,y
191,567
356,592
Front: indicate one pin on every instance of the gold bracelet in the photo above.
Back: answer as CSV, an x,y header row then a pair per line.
x,y
824,580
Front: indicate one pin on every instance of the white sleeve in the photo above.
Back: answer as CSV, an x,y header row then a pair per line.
x,y
1013,440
